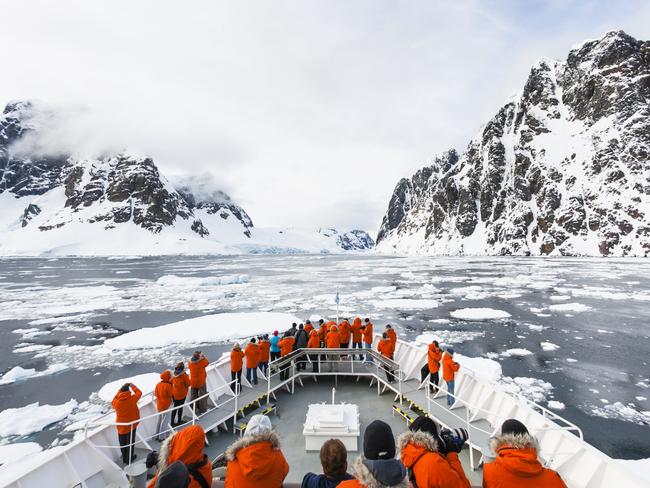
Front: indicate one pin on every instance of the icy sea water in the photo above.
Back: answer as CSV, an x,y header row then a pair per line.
x,y
595,313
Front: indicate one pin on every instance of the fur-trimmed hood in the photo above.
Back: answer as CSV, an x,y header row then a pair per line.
x,y
235,447
371,473
256,458
515,441
417,438
185,445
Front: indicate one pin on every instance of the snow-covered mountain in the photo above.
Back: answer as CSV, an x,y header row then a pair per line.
x,y
123,204
562,168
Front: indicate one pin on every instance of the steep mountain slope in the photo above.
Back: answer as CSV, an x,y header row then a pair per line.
x,y
563,168
122,204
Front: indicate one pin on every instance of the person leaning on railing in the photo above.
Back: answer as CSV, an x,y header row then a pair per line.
x,y
344,333
367,338
449,369
432,368
265,352
163,395
392,337
384,348
516,463
252,353
126,408
356,335
198,379
313,343
332,341
236,365
286,346
180,388
432,462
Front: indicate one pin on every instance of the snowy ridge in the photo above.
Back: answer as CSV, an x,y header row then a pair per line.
x,y
116,204
561,169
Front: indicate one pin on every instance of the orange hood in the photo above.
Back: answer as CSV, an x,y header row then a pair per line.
x,y
255,455
412,445
518,454
166,376
186,446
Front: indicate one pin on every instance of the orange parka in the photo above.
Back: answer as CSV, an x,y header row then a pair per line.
x,y
163,391
256,461
265,351
419,452
356,330
286,345
344,332
516,464
392,337
384,348
252,353
126,408
198,376
449,367
434,355
367,333
314,340
322,332
332,340
180,386
186,446
236,360
309,328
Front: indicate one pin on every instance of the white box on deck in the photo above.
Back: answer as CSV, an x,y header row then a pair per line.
x,y
327,421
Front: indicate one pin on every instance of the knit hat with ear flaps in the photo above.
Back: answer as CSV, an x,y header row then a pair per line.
x,y
425,424
378,441
513,426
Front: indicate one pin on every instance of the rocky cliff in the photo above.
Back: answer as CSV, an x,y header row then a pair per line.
x,y
562,169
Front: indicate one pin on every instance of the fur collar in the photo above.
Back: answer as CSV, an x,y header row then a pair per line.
x,y
164,453
249,440
418,438
365,477
516,441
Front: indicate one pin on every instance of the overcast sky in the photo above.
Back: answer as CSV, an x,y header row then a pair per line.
x,y
306,112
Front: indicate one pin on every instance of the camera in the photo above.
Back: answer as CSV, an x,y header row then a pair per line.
x,y
452,440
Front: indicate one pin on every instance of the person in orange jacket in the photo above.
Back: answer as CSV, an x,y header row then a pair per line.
x,y
322,331
344,333
367,338
432,367
517,463
392,337
332,341
256,461
252,353
265,353
126,408
449,369
163,395
385,348
430,463
186,446
356,335
313,343
198,379
308,327
180,388
378,466
286,346
236,365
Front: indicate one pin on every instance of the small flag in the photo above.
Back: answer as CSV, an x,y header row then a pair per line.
x,y
337,300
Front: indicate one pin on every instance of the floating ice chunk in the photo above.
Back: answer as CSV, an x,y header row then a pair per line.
x,y
532,388
32,348
440,321
549,346
555,405
644,384
18,450
619,411
20,374
32,418
406,303
198,330
569,307
560,298
145,382
571,360
479,314
536,328
516,352
641,398
193,281
445,337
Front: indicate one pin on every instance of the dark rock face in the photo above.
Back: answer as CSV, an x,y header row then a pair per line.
x,y
109,191
354,240
562,169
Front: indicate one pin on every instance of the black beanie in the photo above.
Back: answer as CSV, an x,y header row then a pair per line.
x,y
425,424
175,475
378,441
513,426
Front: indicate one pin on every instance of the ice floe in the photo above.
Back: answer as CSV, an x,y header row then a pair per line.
x,y
406,303
18,450
620,411
445,337
515,353
569,307
198,330
20,374
555,405
193,282
32,418
549,346
479,314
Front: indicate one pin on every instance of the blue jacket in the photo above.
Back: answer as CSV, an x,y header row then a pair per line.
x,y
274,343
312,480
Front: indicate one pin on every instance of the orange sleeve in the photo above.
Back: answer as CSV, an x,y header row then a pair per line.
x,y
136,392
456,476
